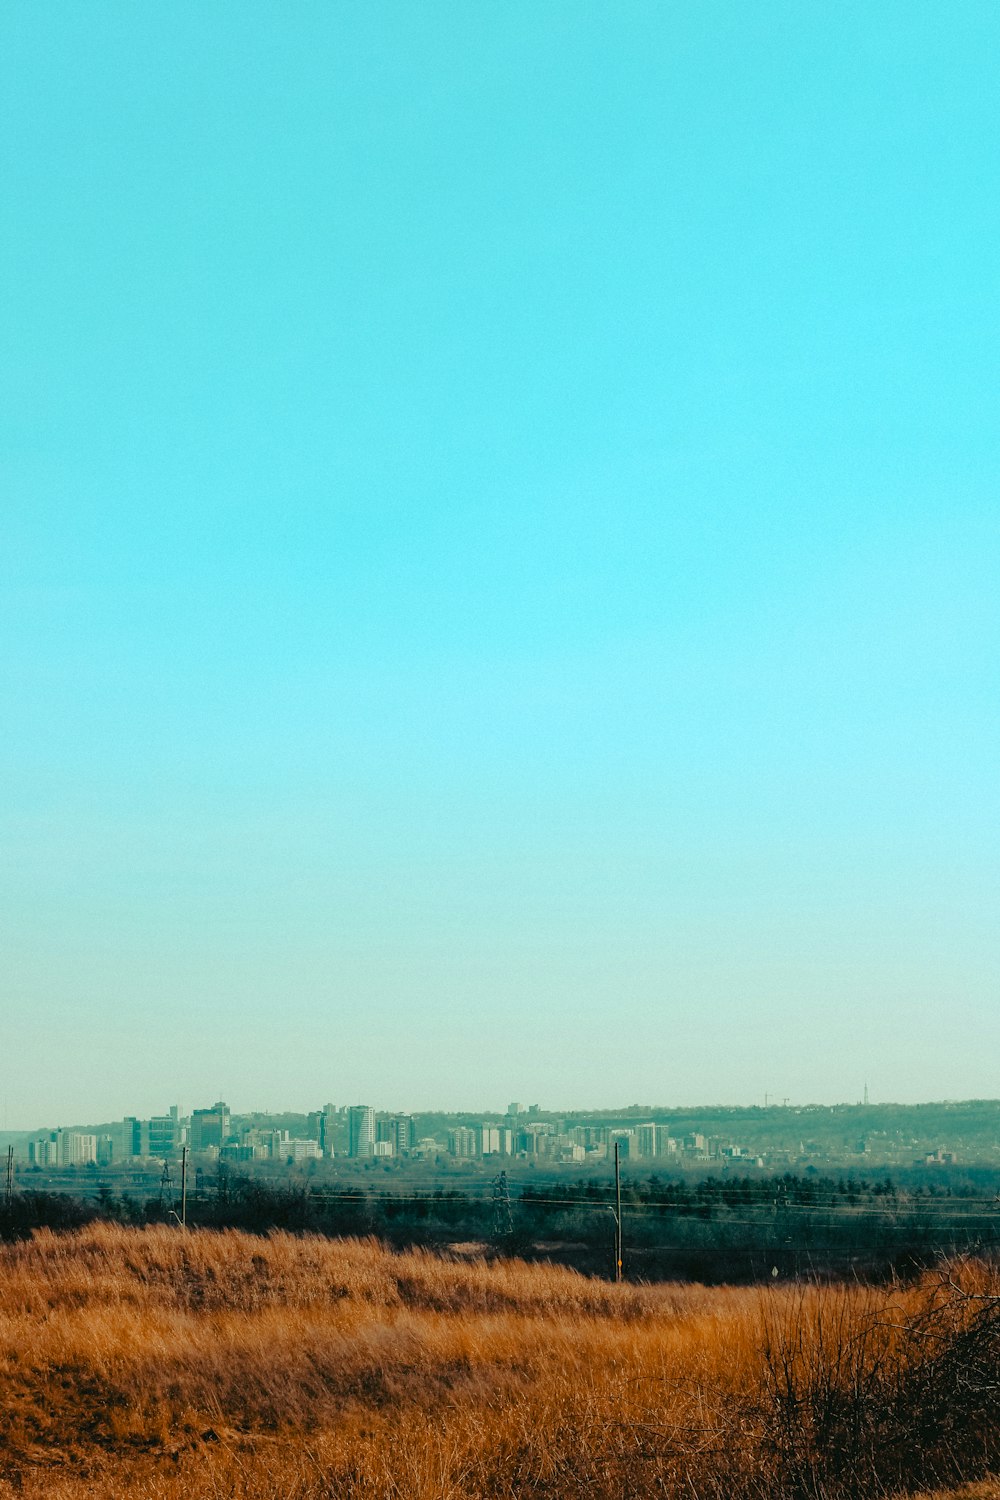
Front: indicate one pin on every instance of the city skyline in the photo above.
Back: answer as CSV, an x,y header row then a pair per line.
x,y
136,1154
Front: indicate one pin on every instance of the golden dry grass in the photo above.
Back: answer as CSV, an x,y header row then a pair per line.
x,y
149,1363
989,1489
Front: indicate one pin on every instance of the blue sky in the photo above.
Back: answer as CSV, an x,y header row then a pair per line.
x,y
498,554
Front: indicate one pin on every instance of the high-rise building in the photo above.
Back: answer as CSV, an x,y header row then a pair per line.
x,y
164,1134
360,1130
462,1141
496,1140
321,1125
131,1136
210,1127
625,1140
65,1148
44,1151
398,1131
160,1136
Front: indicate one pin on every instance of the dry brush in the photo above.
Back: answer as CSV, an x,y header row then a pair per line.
x,y
156,1364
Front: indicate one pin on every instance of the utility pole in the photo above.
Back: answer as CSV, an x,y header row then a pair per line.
x,y
9,1189
184,1186
618,1215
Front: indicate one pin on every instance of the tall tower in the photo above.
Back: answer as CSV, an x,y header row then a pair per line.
x,y
360,1130
326,1126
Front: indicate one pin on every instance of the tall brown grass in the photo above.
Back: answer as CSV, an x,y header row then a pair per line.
x,y
152,1363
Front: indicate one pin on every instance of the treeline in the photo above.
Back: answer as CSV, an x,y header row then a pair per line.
x,y
718,1229
717,1192
753,1228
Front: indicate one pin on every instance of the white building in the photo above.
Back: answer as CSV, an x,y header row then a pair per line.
x,y
63,1148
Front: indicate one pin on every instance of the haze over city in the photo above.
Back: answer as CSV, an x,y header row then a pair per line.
x,y
498,556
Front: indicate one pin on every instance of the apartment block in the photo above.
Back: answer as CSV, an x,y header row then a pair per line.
x,y
462,1141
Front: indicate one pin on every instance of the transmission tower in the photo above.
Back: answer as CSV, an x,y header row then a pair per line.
x,y
503,1223
9,1186
166,1183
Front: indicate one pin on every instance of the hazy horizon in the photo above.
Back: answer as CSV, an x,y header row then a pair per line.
x,y
490,1112
499,556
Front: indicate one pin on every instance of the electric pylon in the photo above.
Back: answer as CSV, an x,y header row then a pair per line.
x,y
503,1222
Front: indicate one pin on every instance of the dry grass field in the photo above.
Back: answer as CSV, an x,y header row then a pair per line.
x,y
172,1366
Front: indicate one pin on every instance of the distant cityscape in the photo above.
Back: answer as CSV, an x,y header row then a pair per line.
x,y
359,1132
769,1139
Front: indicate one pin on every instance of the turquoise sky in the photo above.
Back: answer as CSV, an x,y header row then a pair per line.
x,y
500,552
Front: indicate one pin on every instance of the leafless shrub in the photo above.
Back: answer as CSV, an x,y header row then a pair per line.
x,y
865,1394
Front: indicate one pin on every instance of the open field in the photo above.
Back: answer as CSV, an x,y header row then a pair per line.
x,y
150,1363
